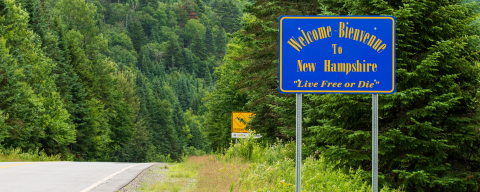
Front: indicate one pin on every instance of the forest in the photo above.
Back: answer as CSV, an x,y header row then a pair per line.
x,y
153,80
110,80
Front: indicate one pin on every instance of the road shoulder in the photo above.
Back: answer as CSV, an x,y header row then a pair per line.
x,y
122,179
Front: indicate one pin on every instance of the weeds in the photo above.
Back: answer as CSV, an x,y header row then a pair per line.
x,y
272,168
8,155
217,175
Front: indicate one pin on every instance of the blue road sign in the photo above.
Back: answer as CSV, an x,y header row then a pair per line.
x,y
337,54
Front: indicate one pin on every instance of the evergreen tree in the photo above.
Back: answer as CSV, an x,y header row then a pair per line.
x,y
208,76
428,128
200,6
137,35
42,117
16,97
181,133
198,48
161,126
145,64
189,61
184,93
142,93
221,40
182,15
148,3
209,41
197,139
38,21
231,20
172,18
173,56
90,78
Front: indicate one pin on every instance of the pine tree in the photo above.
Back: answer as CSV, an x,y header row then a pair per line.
x,y
208,76
42,118
16,106
160,119
184,93
145,65
38,20
198,48
182,15
428,129
197,140
221,42
180,132
173,56
200,6
209,41
148,3
189,61
231,17
137,35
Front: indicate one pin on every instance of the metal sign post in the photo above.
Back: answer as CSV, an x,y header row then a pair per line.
x,y
374,142
298,143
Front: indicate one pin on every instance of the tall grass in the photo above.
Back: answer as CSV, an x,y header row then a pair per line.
x,y
7,155
273,169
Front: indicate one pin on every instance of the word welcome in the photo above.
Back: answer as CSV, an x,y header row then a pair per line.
x,y
343,32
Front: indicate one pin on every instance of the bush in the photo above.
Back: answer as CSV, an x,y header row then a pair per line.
x,y
273,169
31,155
192,151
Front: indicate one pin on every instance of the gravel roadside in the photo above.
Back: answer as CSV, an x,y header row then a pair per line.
x,y
149,176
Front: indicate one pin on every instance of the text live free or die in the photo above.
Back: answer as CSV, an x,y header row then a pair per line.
x,y
337,54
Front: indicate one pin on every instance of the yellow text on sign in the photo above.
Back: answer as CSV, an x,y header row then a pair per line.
x,y
240,120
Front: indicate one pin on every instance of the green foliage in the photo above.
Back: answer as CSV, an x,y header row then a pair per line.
x,y
229,15
137,35
35,113
273,169
11,154
173,56
429,131
221,40
209,41
198,48
428,128
105,81
193,28
226,97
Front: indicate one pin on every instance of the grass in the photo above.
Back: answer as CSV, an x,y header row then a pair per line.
x,y
247,166
217,175
200,173
272,168
179,178
15,155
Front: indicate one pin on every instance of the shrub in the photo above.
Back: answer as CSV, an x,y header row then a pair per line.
x,y
31,155
273,169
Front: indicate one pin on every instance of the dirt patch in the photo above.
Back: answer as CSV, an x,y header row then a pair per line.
x,y
197,173
216,175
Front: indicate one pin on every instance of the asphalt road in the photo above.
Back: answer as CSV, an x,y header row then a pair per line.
x,y
67,176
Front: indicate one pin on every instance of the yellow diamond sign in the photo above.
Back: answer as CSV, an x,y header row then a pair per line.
x,y
240,120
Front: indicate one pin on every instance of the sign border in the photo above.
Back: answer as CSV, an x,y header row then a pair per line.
x,y
231,122
334,91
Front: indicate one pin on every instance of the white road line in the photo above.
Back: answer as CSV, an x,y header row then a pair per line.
x,y
106,178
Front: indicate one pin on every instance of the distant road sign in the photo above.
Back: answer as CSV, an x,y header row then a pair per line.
x,y
337,54
240,120
245,135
